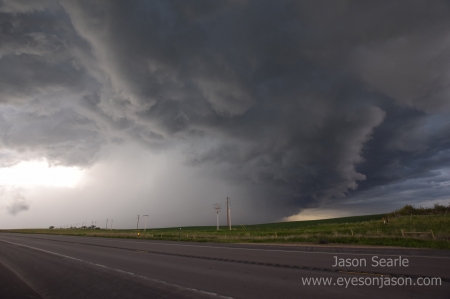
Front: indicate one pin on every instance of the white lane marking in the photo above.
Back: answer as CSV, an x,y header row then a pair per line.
x,y
118,270
149,242
20,276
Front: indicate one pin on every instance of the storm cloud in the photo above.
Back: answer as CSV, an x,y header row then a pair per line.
x,y
302,104
17,202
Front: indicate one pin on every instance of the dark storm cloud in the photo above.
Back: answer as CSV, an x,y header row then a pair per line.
x,y
37,52
409,143
303,102
41,79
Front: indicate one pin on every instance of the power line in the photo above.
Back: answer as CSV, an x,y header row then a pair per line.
x,y
199,208
182,210
145,222
228,213
217,208
137,225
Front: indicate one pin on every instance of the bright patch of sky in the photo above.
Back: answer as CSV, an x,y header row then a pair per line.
x,y
40,173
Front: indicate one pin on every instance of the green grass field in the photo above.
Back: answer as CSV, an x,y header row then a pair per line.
x,y
422,231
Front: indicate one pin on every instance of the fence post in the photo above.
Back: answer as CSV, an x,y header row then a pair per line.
x,y
402,233
432,234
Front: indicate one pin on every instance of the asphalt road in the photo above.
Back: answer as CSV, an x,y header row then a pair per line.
x,y
46,266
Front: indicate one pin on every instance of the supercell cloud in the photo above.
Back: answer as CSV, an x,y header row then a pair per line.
x,y
301,104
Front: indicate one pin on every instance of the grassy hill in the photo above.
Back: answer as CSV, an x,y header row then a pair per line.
x,y
282,225
426,230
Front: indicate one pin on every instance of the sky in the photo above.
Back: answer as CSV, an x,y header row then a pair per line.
x,y
294,110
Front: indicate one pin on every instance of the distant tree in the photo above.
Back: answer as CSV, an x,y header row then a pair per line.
x,y
411,210
439,209
51,227
406,210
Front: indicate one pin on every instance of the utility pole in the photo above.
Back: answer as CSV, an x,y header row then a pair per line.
x,y
106,224
137,225
145,222
217,208
229,213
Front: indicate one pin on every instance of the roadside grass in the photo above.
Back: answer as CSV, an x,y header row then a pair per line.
x,y
419,231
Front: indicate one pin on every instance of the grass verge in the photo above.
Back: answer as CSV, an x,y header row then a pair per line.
x,y
418,231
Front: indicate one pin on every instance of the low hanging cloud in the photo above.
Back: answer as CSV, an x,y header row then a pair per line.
x,y
303,103
17,203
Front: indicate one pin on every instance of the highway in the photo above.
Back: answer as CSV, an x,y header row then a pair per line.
x,y
51,266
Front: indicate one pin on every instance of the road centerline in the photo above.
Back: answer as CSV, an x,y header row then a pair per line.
x,y
117,270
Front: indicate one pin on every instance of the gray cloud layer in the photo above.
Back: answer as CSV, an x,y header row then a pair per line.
x,y
304,103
